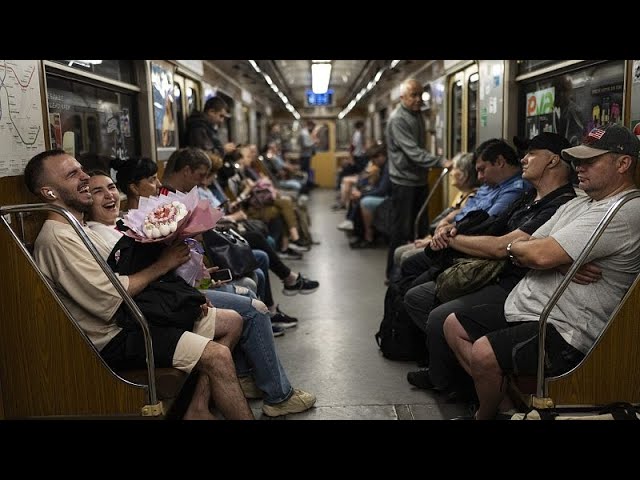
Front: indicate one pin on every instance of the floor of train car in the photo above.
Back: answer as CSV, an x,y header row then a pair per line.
x,y
332,352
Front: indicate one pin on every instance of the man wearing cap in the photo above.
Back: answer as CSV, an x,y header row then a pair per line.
x,y
491,341
543,168
202,127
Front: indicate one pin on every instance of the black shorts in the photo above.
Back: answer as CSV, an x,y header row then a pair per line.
x,y
515,344
126,350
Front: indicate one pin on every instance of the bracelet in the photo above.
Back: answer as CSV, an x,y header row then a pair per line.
x,y
513,259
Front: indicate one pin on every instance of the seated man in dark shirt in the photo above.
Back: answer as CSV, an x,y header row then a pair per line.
x,y
544,168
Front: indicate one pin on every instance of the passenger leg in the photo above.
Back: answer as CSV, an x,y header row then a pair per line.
x,y
419,301
405,202
256,354
444,370
228,327
224,389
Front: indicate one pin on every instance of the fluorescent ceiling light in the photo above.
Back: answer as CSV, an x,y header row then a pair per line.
x,y
320,74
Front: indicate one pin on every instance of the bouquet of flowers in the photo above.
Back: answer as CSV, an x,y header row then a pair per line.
x,y
176,216
165,218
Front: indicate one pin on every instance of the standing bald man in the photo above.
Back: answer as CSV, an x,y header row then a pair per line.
x,y
408,164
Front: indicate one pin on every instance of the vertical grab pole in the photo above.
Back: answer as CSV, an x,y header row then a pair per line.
x,y
423,209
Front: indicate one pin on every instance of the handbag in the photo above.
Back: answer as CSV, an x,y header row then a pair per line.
x,y
228,249
466,276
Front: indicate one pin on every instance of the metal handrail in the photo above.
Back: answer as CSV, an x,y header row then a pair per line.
x,y
73,221
423,209
613,209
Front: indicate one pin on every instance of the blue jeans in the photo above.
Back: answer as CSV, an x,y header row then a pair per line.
x,y
235,289
262,272
256,351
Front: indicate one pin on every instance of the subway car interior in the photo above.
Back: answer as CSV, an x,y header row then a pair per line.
x,y
310,213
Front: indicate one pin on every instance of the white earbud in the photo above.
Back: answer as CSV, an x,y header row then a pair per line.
x,y
50,194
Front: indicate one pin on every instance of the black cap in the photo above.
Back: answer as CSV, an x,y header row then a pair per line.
x,y
611,138
545,141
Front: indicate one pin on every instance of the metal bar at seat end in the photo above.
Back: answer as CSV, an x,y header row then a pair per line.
x,y
423,209
73,221
611,212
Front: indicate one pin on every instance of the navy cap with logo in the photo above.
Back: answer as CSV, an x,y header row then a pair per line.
x,y
553,142
611,138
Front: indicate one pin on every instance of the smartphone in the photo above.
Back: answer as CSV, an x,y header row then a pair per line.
x,y
223,275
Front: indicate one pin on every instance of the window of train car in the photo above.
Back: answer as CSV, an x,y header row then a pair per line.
x,y
572,103
120,70
193,99
180,115
102,119
472,110
456,116
343,134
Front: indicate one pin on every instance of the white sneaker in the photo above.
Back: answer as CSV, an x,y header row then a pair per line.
x,y
298,248
300,401
347,225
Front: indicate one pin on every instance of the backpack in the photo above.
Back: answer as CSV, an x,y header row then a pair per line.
x,y
263,193
467,275
168,301
398,337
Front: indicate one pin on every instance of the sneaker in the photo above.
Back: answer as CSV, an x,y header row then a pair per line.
x,y
303,199
296,403
296,247
300,246
290,254
302,285
278,331
420,379
283,320
249,388
346,226
362,244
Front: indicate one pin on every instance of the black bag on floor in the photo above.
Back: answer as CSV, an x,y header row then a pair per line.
x,y
399,338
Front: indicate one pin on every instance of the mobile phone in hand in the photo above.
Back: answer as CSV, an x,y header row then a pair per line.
x,y
223,275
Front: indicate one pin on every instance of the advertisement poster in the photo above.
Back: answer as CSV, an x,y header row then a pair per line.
x,y
540,111
163,107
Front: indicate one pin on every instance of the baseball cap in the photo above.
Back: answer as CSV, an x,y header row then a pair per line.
x,y
545,141
611,138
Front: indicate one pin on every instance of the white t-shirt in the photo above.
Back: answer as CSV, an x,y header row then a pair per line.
x,y
583,310
109,233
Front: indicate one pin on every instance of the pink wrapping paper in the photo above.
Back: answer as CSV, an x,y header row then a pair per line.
x,y
201,216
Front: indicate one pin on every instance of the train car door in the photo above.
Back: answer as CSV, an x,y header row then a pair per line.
x,y
463,110
462,97
188,99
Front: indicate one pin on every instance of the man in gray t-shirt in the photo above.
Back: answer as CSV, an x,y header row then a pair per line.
x,y
490,342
